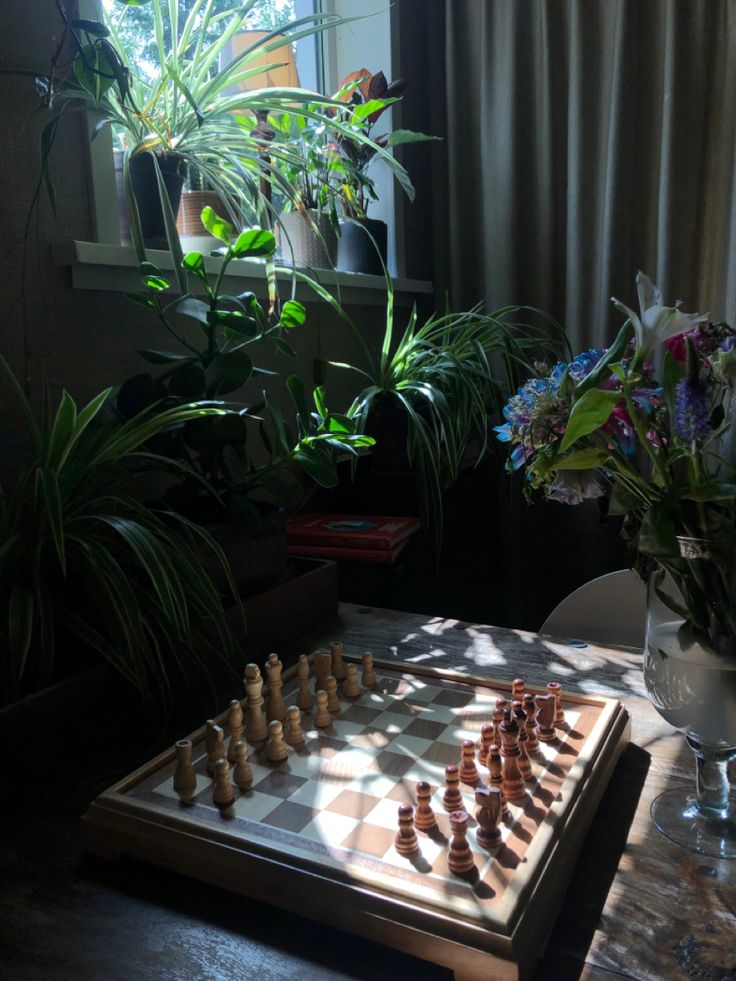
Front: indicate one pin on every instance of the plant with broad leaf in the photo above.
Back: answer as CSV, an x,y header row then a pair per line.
x,y
231,328
659,442
87,559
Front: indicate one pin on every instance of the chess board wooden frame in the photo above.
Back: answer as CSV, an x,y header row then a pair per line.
x,y
118,825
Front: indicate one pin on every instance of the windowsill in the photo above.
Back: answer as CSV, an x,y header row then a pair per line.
x,y
97,266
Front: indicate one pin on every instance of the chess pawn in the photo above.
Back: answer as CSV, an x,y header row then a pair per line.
x,y
276,704
256,729
333,702
501,706
546,718
242,773
555,688
486,739
294,735
304,698
223,793
322,666
218,749
517,689
322,718
368,679
488,814
452,798
513,781
424,818
235,724
468,769
495,775
351,687
525,764
209,736
406,840
185,779
337,668
276,751
532,729
460,857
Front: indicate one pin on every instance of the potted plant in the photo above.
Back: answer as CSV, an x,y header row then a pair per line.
x,y
197,196
87,561
363,241
658,442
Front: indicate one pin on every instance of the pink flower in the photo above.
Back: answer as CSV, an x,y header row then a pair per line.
x,y
677,346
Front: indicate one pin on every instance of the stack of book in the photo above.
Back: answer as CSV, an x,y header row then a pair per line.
x,y
350,537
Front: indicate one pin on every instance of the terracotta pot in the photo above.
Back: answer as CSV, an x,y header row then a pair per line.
x,y
317,249
355,250
145,189
189,222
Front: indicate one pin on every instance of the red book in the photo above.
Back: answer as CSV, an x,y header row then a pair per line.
x,y
350,531
379,556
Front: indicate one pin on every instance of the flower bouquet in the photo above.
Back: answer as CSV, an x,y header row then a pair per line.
x,y
649,422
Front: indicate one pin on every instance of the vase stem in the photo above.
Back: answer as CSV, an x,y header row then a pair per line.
x,y
712,786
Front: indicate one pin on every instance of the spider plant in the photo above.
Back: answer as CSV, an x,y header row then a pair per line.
x,y
84,558
445,376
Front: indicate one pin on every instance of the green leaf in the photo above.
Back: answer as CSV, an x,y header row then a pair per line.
x,y
282,347
140,299
253,242
657,536
198,114
163,357
581,460
227,372
48,488
172,234
278,424
134,3
216,226
61,431
293,314
194,262
336,423
408,136
92,27
711,492
299,395
152,277
94,71
622,500
319,400
613,355
591,411
190,306
20,629
318,465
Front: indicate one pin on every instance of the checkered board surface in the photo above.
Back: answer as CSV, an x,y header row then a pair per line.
x,y
334,801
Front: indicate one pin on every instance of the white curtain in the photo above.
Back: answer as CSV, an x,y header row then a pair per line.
x,y
587,139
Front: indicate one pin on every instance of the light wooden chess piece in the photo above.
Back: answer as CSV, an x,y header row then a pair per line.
x,y
218,749
424,818
452,798
501,706
209,736
460,857
368,679
337,668
513,781
333,702
468,769
488,814
276,704
495,775
275,750
517,689
406,841
555,688
322,666
304,698
242,773
351,687
322,718
525,764
486,739
294,734
532,729
546,718
235,725
223,793
256,729
185,779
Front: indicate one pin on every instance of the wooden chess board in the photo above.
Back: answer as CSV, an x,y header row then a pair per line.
x,y
315,833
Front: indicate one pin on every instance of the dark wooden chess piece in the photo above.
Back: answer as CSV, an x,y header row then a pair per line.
x,y
532,729
424,818
452,798
513,781
460,857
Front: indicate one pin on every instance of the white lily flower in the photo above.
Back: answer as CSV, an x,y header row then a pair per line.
x,y
657,322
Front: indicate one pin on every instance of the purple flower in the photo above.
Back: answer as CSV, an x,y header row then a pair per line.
x,y
575,486
692,416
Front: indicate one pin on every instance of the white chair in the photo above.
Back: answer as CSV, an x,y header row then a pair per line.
x,y
607,610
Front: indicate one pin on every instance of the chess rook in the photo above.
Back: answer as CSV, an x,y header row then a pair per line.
x,y
185,779
424,818
256,728
532,729
276,704
218,748
546,718
222,793
235,727
452,799
242,773
517,689
322,666
351,686
495,775
555,688
486,739
488,814
468,769
322,718
276,751
525,764
513,781
368,678
460,857
304,698
333,702
294,734
406,840
337,668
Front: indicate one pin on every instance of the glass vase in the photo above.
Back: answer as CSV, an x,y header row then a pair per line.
x,y
691,680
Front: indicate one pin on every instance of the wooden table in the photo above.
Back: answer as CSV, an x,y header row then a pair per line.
x,y
636,907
